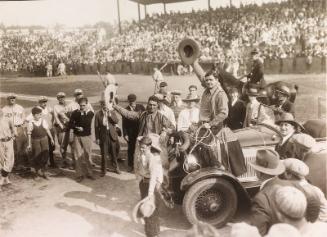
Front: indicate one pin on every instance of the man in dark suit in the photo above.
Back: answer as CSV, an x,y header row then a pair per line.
x,y
106,136
131,129
256,76
236,112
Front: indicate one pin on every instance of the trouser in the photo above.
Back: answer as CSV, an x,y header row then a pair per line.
x,y
63,149
40,152
108,148
152,223
82,153
20,144
68,139
131,150
51,149
7,157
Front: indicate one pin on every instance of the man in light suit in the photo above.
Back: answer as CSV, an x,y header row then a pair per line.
x,y
107,137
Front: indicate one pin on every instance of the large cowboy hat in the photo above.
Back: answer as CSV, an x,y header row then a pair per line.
x,y
289,118
143,208
267,161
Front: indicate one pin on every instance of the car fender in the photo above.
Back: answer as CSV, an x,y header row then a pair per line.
x,y
212,172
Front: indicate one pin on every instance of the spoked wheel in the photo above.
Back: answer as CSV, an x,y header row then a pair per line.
x,y
213,201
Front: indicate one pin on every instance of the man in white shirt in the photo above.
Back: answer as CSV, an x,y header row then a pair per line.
x,y
165,110
190,115
16,114
157,77
60,122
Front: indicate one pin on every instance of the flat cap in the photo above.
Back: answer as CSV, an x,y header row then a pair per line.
x,y
304,140
296,167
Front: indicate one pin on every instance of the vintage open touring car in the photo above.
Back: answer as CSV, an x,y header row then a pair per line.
x,y
212,194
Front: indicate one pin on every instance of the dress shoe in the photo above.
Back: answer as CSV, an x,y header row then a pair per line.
x,y
90,177
79,179
117,171
103,174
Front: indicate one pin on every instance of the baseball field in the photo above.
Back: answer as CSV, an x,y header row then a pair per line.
x,y
310,102
62,207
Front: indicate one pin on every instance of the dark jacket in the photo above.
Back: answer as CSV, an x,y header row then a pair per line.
x,y
131,127
160,121
286,150
263,214
256,76
79,120
101,131
236,115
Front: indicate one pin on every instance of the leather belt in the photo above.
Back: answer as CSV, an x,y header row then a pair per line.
x,y
18,126
145,180
6,139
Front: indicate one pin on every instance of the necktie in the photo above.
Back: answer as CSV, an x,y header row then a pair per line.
x,y
105,119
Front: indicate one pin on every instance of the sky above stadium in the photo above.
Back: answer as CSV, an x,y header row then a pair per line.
x,y
82,12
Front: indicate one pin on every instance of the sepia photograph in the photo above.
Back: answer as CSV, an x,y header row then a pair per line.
x,y
163,118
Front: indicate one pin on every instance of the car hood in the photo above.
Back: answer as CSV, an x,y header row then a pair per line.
x,y
257,136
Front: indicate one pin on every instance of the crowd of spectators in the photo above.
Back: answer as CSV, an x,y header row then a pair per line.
x,y
279,30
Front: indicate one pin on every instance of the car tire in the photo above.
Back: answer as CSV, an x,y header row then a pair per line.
x,y
213,201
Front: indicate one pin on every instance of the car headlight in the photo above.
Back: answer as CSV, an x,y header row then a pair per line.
x,y
191,163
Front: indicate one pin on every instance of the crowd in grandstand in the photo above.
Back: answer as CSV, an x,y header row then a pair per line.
x,y
280,30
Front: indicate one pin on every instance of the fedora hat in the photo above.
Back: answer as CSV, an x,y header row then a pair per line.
x,y
252,91
289,118
144,208
267,161
191,98
155,143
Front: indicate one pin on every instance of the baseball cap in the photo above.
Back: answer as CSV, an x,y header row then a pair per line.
x,y
11,95
163,84
43,99
61,94
78,92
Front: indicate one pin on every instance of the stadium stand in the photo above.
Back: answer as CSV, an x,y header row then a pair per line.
x,y
290,37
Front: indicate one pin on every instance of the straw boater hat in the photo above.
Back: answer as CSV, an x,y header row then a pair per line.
x,y
11,96
289,118
267,161
191,98
43,99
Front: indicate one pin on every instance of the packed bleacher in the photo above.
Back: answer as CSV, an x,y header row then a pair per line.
x,y
279,30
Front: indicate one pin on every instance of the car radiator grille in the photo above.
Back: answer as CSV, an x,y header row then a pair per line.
x,y
250,175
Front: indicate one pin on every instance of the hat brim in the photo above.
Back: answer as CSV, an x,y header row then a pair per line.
x,y
294,123
191,100
11,97
43,101
137,214
276,171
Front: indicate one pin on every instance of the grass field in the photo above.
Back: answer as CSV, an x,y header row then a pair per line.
x,y
311,87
